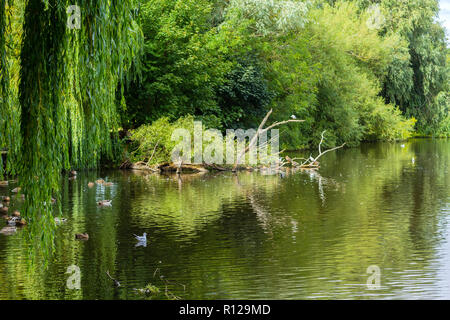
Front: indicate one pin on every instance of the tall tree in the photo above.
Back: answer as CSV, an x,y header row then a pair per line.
x,y
418,71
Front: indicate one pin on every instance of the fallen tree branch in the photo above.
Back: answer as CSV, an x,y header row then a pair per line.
x,y
260,131
311,162
332,149
153,153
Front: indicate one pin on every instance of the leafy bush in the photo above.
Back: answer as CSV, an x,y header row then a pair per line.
x,y
155,139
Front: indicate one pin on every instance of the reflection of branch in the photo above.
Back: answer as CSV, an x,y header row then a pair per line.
x,y
167,281
168,293
262,215
323,182
116,283
236,179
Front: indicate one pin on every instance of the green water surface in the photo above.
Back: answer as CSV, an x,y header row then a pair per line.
x,y
252,235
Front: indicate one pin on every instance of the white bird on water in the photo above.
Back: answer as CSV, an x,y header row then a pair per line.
x,y
402,145
142,240
293,117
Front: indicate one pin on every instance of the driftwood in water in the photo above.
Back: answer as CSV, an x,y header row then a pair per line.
x,y
311,162
141,165
176,167
213,166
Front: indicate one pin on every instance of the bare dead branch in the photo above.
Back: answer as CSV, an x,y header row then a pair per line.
x,y
276,124
153,153
313,163
260,130
332,149
321,140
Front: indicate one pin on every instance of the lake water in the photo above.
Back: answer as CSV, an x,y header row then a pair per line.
x,y
252,236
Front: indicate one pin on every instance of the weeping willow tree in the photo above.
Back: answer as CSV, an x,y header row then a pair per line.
x,y
11,29
4,79
68,93
6,134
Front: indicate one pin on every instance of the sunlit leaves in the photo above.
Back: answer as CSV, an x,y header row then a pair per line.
x,y
268,16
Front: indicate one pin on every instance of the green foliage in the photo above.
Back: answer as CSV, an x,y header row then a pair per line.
x,y
4,81
58,110
156,139
10,25
352,57
418,73
44,116
244,97
330,76
183,62
103,56
442,104
325,68
228,64
153,144
267,17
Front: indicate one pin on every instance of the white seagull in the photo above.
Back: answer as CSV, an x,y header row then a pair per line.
x,y
142,240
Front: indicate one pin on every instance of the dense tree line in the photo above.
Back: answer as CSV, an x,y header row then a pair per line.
x,y
362,70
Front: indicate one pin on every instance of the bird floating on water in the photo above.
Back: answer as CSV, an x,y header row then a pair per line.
x,y
82,236
105,203
116,283
402,145
60,220
16,190
141,238
12,220
16,221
